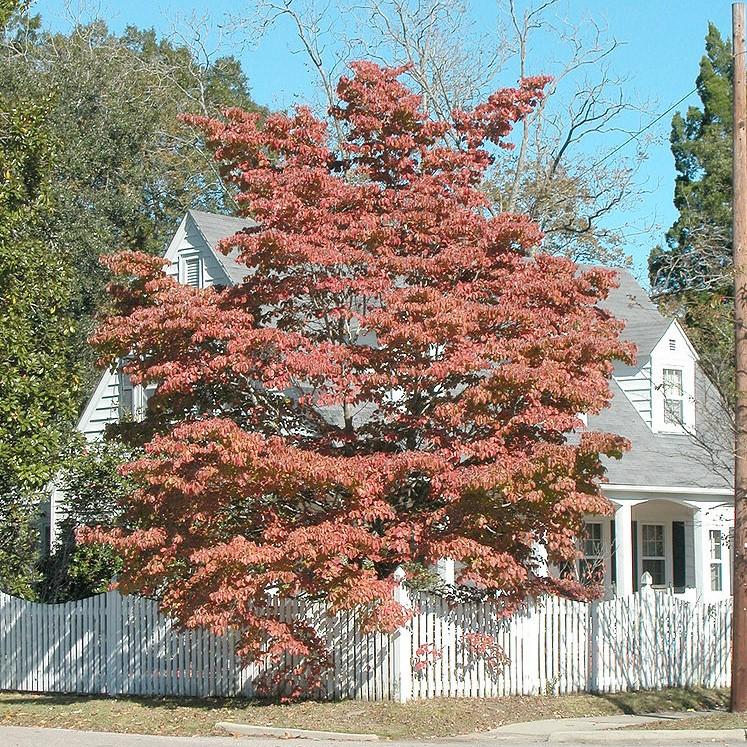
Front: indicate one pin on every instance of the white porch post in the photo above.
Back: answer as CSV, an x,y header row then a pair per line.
x,y
702,552
623,550
446,571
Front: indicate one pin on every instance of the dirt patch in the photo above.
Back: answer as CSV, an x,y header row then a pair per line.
x,y
423,719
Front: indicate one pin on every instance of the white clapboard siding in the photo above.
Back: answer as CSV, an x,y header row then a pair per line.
x,y
637,387
124,646
103,407
190,246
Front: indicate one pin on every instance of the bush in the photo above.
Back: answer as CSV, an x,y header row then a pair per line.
x,y
93,489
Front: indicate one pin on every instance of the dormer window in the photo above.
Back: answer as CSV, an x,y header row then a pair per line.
x,y
674,396
191,271
133,400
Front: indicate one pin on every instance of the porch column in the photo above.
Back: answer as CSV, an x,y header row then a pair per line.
x,y
446,571
623,550
702,552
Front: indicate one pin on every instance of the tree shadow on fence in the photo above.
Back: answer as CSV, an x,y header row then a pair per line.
x,y
653,640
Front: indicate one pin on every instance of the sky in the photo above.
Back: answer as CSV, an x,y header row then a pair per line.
x,y
661,43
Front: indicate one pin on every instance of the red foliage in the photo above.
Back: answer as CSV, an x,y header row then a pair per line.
x,y
486,647
395,380
425,655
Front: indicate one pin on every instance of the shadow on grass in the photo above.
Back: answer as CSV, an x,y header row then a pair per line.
x,y
149,701
633,703
642,702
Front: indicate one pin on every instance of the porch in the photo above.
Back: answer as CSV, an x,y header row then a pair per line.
x,y
684,544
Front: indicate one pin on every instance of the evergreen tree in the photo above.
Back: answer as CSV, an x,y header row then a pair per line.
x,y
692,272
94,159
126,168
39,384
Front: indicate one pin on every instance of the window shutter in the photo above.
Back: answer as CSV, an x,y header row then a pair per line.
x,y
126,396
192,272
678,555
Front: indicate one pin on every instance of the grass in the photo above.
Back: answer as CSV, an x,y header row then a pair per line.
x,y
418,720
705,721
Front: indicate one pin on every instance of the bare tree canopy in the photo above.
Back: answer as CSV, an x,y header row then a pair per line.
x,y
555,173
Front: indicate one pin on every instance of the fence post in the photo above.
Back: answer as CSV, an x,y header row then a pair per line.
x,y
594,655
647,631
113,660
402,648
530,650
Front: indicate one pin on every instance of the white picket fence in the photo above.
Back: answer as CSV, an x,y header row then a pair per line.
x,y
123,645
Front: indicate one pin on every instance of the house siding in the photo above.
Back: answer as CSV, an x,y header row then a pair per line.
x,y
103,408
193,244
637,388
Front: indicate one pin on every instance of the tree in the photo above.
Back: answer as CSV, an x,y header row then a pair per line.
x,y
126,169
38,386
395,381
93,489
692,273
558,173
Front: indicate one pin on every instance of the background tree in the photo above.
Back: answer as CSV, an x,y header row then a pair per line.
x,y
93,491
692,273
393,382
126,169
556,173
39,385
96,159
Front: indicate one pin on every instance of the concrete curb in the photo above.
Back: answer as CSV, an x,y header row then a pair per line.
x,y
650,736
280,732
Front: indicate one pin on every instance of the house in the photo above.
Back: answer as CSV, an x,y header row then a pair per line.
x,y
672,492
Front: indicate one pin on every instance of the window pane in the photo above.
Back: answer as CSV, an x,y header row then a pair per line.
x,y
656,569
673,414
126,397
715,537
593,540
652,540
673,382
716,578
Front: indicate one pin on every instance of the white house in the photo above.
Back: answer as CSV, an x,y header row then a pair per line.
x,y
672,492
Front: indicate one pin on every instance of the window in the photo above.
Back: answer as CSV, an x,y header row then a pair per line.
x,y
126,396
673,397
717,570
192,271
133,400
652,553
591,566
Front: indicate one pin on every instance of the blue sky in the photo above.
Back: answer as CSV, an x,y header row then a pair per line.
x,y
662,43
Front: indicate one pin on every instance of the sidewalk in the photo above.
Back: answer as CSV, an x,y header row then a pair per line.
x,y
602,730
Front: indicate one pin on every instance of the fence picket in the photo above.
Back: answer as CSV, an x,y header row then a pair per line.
x,y
123,645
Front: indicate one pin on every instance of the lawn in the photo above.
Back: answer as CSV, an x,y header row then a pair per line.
x,y
427,718
706,721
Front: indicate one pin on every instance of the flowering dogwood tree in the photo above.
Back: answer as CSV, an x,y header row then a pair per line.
x,y
397,380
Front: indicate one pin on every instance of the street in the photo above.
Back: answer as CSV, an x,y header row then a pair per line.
x,y
12,736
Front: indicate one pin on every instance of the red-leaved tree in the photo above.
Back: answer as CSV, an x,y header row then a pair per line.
x,y
396,380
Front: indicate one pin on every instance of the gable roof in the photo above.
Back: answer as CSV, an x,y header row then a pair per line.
x,y
644,323
655,459
702,460
665,459
214,227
